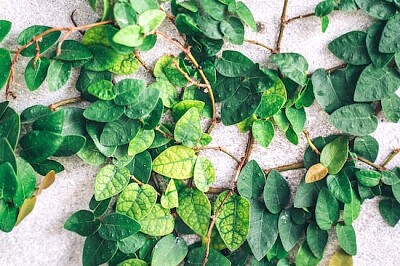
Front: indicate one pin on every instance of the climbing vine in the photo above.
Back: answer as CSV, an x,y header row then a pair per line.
x,y
153,185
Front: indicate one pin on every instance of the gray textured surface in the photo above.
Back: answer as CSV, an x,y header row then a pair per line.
x,y
41,239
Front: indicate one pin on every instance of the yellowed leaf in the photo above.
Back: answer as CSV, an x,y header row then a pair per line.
x,y
341,258
26,208
316,173
48,180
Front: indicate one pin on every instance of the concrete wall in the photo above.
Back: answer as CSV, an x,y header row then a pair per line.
x,y
41,239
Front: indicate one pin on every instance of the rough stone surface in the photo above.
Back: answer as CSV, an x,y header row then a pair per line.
x,y
41,239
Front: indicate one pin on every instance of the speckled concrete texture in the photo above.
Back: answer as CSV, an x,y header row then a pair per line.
x,y
41,239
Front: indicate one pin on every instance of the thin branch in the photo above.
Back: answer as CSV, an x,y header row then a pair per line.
x,y
144,65
74,22
330,70
189,79
245,158
56,105
221,150
38,38
282,26
299,17
191,58
172,19
140,183
312,146
272,50
390,157
286,167
374,165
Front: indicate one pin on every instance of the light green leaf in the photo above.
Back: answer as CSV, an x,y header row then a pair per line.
x,y
132,243
180,108
204,174
141,142
110,181
263,132
347,238
142,5
233,220
334,154
104,58
194,209
327,210
132,262
158,222
245,14
168,93
188,128
130,36
292,65
368,178
124,14
366,147
102,89
175,162
169,198
305,257
150,20
127,65
26,179
169,251
352,210
297,118
136,201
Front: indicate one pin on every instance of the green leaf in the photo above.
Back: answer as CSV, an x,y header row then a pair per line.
x,y
104,58
8,182
117,226
390,178
355,119
144,104
276,192
141,142
175,162
102,89
277,251
366,147
376,83
272,100
324,23
119,132
150,20
196,256
130,36
316,240
307,193
251,181
326,210
347,238
70,146
128,64
90,154
180,108
209,27
188,129
233,64
8,216
142,166
128,91
169,199
331,91
136,201
340,187
368,178
305,256
390,211
378,9
169,251
351,48
124,14
5,66
390,40
324,8
10,126
52,122
142,5
73,51
233,220
158,222
7,153
214,9
233,30
263,132
26,179
83,223
58,74
132,243
263,230
99,207
39,145
297,118
245,15
110,181
42,168
35,75
391,108
194,209
334,154
168,93
5,27
352,210
94,130
292,65
289,231
374,35
45,43
97,251
204,174
103,111
133,262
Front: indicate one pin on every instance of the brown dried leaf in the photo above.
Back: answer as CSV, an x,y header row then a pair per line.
x,y
341,258
316,173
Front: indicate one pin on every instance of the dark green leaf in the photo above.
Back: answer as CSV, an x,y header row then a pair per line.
x,y
305,256
104,58
8,216
97,251
70,146
292,65
340,187
368,178
40,145
26,179
374,35
196,256
5,27
296,117
10,126
390,40
42,168
316,240
8,182
117,226
366,147
233,64
390,211
7,153
391,108
119,132
169,251
144,104
352,210
35,75
376,8
233,30
99,207
289,232
210,27
245,15
324,8
132,243
327,210
276,192
52,122
251,181
46,42
103,111
83,223
58,74
5,65
73,51
351,48
307,193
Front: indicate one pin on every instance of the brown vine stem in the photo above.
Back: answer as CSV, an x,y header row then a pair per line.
x,y
272,50
186,75
286,167
37,39
56,105
312,146
391,156
140,183
374,165
188,54
332,69
221,150
245,158
74,22
144,64
282,26
299,17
